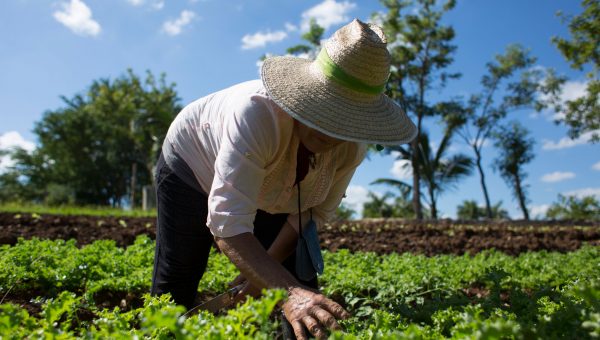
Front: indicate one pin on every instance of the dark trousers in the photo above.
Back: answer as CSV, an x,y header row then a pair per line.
x,y
183,240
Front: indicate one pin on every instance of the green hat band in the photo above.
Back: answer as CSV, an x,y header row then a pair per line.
x,y
332,71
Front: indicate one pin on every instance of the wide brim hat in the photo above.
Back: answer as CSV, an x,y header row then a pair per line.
x,y
341,92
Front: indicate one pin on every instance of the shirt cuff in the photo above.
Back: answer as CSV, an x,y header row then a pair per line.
x,y
224,225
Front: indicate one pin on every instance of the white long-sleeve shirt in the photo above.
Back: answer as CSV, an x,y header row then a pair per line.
x,y
242,149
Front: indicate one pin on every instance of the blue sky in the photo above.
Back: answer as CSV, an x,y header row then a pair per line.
x,y
56,48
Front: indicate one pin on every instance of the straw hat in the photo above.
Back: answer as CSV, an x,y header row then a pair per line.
x,y
341,92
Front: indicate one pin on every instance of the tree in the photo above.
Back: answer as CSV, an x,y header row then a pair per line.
x,y
573,208
516,150
11,189
439,171
511,78
378,206
469,210
311,48
402,206
381,207
421,49
343,212
94,145
28,178
313,36
157,105
582,115
403,188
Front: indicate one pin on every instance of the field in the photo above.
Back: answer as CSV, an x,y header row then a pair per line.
x,y
87,277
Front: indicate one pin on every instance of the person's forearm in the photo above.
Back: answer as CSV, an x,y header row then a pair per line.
x,y
254,262
285,243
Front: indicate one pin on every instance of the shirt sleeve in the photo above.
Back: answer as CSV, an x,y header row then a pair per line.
x,y
325,212
249,141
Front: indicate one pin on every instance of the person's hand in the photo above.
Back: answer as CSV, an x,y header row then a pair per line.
x,y
238,280
247,290
305,308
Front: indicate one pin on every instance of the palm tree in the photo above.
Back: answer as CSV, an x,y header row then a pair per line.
x,y
439,172
403,188
469,210
403,203
377,206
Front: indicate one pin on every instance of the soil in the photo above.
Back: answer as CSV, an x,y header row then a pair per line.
x,y
382,236
458,237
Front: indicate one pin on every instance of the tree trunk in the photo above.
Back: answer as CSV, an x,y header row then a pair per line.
x,y
416,154
133,180
488,206
416,201
433,204
150,168
521,196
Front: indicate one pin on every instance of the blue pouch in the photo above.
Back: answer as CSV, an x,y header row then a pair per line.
x,y
309,260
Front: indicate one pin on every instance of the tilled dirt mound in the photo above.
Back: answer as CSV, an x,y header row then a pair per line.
x,y
382,236
84,229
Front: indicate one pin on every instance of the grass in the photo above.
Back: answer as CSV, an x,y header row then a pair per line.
x,y
74,210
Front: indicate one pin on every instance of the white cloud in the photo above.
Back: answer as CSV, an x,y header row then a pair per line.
x,y
596,166
11,140
538,211
356,196
290,27
77,16
175,27
402,169
260,39
14,139
481,143
584,192
571,91
158,5
327,14
567,142
557,176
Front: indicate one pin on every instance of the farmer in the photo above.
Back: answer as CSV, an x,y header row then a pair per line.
x,y
253,160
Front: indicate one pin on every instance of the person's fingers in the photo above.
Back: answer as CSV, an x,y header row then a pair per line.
x,y
254,291
335,309
314,327
242,293
238,280
299,330
325,317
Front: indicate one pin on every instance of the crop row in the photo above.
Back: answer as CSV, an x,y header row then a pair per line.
x,y
534,295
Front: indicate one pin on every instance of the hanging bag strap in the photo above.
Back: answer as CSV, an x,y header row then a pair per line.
x,y
300,214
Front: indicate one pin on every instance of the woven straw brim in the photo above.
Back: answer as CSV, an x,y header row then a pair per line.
x,y
300,89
